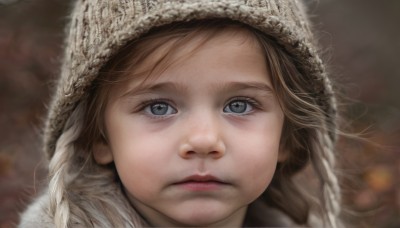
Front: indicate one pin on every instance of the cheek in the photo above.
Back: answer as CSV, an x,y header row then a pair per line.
x,y
136,155
256,152
138,167
258,165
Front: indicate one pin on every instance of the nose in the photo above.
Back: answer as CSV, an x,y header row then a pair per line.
x,y
203,139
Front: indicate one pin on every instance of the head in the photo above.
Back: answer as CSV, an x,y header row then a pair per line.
x,y
205,107
203,57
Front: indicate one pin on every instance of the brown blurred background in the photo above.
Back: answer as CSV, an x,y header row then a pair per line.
x,y
362,46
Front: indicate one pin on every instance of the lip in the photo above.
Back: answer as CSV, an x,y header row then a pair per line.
x,y
201,183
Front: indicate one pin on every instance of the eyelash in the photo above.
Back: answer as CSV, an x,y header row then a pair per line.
x,y
143,105
252,102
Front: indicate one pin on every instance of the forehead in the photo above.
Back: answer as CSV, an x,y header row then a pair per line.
x,y
219,68
169,47
153,54
164,51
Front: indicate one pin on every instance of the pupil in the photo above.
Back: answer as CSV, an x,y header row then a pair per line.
x,y
159,109
238,106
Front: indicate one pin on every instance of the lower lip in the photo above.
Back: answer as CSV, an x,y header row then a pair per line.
x,y
201,185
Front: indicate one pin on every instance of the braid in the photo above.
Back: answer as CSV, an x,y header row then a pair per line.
x,y
324,163
81,192
58,171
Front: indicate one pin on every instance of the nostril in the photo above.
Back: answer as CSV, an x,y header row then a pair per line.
x,y
217,153
190,152
202,145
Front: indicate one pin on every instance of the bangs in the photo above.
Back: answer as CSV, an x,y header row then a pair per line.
x,y
162,47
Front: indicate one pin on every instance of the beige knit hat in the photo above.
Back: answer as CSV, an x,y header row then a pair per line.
x,y
99,28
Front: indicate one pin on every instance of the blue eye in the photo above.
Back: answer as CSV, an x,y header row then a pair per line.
x,y
160,109
238,107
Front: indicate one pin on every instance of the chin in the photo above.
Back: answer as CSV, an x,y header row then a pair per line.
x,y
202,218
199,222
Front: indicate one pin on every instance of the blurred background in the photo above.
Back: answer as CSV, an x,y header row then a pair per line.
x,y
361,40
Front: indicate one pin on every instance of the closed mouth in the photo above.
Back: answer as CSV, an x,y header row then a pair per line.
x,y
201,183
201,179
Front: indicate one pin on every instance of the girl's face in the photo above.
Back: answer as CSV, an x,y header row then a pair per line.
x,y
200,142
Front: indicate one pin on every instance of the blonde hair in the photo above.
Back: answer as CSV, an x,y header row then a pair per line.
x,y
85,193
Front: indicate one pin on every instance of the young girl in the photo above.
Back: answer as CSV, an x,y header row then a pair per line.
x,y
189,113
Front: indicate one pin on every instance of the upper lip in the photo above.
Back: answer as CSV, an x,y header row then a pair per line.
x,y
200,178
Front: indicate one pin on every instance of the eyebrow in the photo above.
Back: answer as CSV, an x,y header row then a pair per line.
x,y
248,85
153,88
170,86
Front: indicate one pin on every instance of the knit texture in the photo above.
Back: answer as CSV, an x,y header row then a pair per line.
x,y
99,28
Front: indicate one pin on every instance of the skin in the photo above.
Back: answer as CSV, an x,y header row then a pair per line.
x,y
213,113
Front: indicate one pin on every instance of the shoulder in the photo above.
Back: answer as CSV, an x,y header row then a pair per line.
x,y
36,215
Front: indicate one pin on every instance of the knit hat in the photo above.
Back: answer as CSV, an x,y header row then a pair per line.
x,y
99,28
